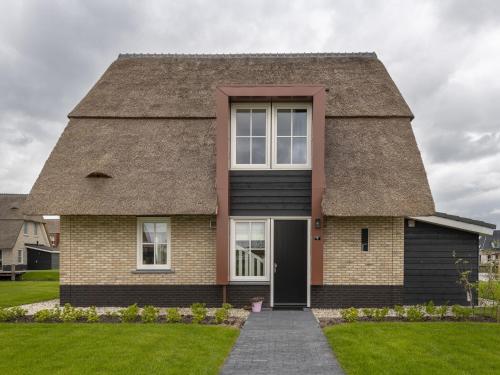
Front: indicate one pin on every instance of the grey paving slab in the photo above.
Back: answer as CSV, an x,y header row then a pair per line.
x,y
281,342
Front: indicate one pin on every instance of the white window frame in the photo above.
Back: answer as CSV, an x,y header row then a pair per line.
x,y
25,229
140,222
234,108
276,106
232,257
20,256
35,229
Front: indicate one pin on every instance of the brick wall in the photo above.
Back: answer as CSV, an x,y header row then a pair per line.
x,y
103,250
346,264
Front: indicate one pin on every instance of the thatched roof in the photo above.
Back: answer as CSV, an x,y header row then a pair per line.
x,y
183,85
147,131
373,167
12,218
156,167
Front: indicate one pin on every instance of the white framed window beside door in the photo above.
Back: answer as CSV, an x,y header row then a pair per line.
x,y
249,251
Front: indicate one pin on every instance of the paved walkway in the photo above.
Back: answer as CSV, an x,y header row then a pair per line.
x,y
281,342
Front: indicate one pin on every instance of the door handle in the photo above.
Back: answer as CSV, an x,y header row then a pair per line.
x,y
275,267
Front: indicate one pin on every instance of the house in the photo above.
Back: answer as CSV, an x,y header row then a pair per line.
x,y
54,232
211,178
23,239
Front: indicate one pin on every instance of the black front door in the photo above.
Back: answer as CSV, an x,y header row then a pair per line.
x,y
290,262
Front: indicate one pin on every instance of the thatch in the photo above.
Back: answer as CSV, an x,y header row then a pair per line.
x,y
183,86
148,124
12,218
373,167
156,167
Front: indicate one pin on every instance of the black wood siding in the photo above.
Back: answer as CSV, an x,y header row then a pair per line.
x,y
270,193
430,272
42,260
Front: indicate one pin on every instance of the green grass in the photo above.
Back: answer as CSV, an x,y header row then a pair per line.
x,y
45,275
489,290
417,348
113,348
14,293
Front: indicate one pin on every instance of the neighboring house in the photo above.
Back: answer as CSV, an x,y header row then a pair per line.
x,y
54,232
489,247
22,237
211,178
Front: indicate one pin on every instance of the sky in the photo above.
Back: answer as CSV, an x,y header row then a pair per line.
x,y
443,55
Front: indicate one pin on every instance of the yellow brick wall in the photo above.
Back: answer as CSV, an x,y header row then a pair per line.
x,y
346,264
103,250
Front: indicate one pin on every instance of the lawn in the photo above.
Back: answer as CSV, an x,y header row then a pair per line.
x,y
417,348
45,275
114,348
13,293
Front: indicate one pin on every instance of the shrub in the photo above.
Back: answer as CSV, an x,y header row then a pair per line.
x,y
71,314
91,315
12,314
47,315
415,313
380,314
111,314
150,314
441,311
221,315
173,315
129,314
430,309
369,313
199,312
461,312
400,311
227,306
350,315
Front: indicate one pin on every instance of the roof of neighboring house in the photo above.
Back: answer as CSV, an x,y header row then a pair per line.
x,y
53,225
149,124
458,222
43,248
12,218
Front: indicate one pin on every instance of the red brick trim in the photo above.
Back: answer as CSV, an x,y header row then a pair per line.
x,y
223,94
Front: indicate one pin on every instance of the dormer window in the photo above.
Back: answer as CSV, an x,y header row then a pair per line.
x,y
265,136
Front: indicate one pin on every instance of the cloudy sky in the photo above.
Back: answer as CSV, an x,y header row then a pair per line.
x,y
443,55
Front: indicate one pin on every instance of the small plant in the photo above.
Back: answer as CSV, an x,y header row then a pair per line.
x,y
47,315
441,311
430,308
70,314
91,315
173,315
461,312
350,315
400,311
150,314
111,314
227,306
12,314
221,315
129,314
380,314
369,312
199,312
256,299
415,313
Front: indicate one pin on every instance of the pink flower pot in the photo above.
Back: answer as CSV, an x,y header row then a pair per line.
x,y
256,306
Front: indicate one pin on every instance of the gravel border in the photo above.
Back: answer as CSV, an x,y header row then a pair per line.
x,y
32,308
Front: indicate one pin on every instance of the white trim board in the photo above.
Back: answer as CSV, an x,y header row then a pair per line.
x,y
450,223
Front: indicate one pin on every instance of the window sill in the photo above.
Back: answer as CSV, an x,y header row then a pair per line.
x,y
146,271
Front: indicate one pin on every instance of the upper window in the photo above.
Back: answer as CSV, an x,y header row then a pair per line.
x,y
25,228
265,136
35,229
153,243
249,250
